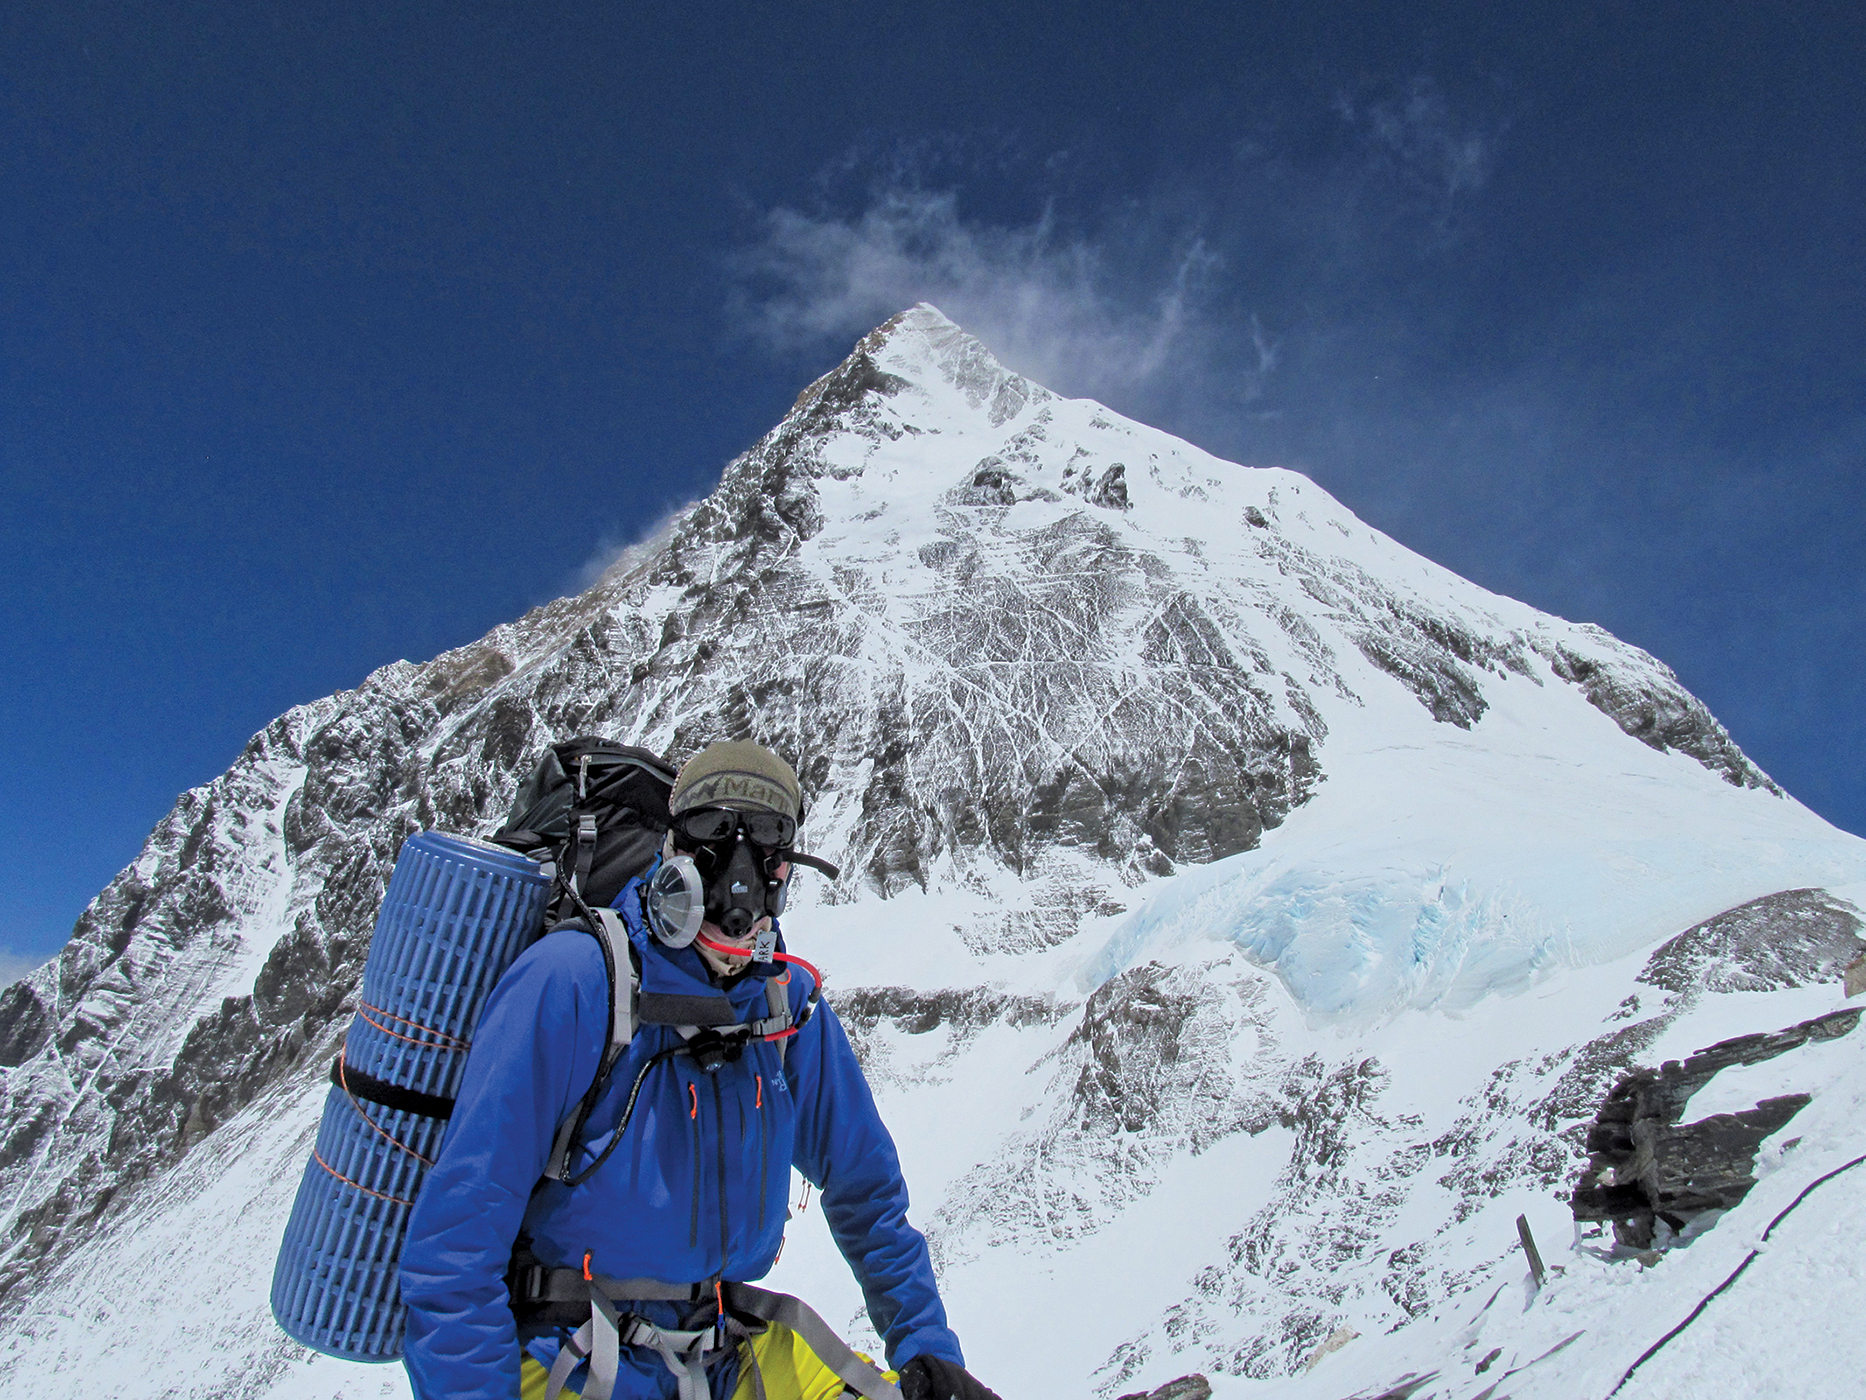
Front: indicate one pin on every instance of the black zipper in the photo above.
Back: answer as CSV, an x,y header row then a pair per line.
x,y
719,1107
764,1156
693,1227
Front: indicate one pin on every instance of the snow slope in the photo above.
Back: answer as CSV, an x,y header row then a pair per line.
x,y
1242,919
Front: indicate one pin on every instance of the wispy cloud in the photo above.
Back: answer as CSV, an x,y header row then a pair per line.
x,y
1057,306
1227,288
617,552
1422,137
1415,136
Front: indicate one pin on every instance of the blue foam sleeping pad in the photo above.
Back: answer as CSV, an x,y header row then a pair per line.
x,y
456,914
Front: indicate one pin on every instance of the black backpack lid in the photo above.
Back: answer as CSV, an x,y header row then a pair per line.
x,y
618,775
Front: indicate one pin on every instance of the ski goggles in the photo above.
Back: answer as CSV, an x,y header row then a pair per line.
x,y
711,825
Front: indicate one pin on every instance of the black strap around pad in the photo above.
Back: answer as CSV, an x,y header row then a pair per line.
x,y
381,1091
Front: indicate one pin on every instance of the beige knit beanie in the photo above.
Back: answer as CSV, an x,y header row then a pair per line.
x,y
738,775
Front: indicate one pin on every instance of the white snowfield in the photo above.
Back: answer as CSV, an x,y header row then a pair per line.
x,y
1270,1117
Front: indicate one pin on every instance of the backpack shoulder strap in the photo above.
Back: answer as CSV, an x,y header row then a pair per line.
x,y
619,953
624,1003
777,1002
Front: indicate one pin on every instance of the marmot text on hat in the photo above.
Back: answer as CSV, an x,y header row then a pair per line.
x,y
740,775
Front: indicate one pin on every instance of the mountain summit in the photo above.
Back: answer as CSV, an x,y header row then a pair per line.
x,y
1200,844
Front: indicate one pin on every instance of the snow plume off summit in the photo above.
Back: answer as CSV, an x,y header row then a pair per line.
x,y
1241,917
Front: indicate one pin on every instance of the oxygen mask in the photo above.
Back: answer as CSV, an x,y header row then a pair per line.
x,y
723,869
743,891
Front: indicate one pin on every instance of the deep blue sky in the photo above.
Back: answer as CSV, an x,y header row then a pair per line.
x,y
332,334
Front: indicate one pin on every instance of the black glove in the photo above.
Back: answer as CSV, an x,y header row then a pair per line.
x,y
931,1378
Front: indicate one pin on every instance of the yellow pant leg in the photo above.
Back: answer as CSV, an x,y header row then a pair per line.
x,y
791,1371
532,1380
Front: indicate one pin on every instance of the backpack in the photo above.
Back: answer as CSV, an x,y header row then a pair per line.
x,y
457,912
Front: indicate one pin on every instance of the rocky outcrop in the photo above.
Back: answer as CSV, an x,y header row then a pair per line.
x,y
1646,1167
1192,1387
1644,698
1796,938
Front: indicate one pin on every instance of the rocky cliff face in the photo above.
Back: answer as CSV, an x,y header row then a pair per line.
x,y
1029,658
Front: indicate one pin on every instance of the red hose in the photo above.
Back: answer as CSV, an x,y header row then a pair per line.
x,y
729,951
808,967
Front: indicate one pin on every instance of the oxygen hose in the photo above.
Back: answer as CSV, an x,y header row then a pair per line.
x,y
816,978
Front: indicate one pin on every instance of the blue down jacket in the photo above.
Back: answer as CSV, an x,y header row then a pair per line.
x,y
698,1189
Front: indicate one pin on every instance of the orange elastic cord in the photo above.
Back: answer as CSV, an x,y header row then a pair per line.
x,y
586,1267
761,1091
438,1040
379,1195
449,1045
694,1112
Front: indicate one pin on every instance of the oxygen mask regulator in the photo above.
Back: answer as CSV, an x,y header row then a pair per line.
x,y
675,900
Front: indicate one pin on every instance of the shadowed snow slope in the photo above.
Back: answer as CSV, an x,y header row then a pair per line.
x,y
1241,919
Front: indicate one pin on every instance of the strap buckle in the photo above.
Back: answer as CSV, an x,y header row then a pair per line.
x,y
713,1048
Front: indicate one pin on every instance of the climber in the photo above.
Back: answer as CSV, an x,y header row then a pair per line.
x,y
619,1264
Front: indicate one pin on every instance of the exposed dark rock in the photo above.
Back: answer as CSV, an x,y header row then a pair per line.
x,y
1795,938
843,387
991,485
1110,489
468,674
1132,1028
1145,1075
24,1025
1706,1165
1644,1166
916,1013
1447,690
1648,703
1596,1066
1403,1389
25,1130
1192,1387
962,1011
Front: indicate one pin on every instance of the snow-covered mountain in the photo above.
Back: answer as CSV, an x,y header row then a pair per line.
x,y
1243,920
